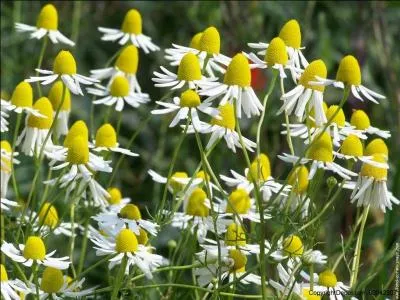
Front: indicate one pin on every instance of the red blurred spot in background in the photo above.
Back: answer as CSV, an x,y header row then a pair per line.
x,y
258,79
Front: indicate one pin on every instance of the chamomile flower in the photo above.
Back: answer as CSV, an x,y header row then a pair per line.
x,y
223,126
360,120
260,171
206,46
298,198
22,99
235,88
55,285
126,65
33,137
118,93
46,25
131,30
7,159
106,140
291,35
187,105
126,245
5,107
115,201
56,98
196,215
129,216
371,188
276,57
305,94
64,68
349,74
10,288
320,154
188,74
34,251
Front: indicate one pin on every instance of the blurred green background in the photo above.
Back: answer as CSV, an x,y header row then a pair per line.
x,y
330,29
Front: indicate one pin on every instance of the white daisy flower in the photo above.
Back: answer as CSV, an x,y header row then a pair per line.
x,y
22,99
276,57
125,245
11,288
129,216
188,75
55,285
320,154
7,158
360,121
34,251
223,126
291,36
118,93
131,30
178,181
236,87
305,95
46,25
56,98
5,107
349,73
206,46
115,201
106,140
64,68
188,104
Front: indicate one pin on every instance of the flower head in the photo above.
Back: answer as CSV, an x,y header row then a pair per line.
x,y
48,215
210,41
22,95
377,146
327,278
189,68
48,18
44,107
126,241
56,95
239,202
321,149
226,117
106,136
352,146
79,128
377,173
235,235
132,22
315,68
290,34
195,42
196,204
298,179
52,280
276,53
293,246
238,72
64,63
349,71
128,60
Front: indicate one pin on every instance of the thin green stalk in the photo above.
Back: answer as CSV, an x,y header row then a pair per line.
x,y
288,135
119,278
84,247
39,65
72,238
119,122
14,180
87,270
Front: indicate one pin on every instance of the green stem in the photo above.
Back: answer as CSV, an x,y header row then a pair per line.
x,y
119,278
13,177
288,136
84,247
39,65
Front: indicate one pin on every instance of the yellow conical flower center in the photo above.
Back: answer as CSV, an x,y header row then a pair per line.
x,y
327,278
106,136
238,71
78,151
298,179
34,248
321,149
377,146
189,68
128,60
3,273
235,235
311,118
349,71
310,295
195,42
142,238
132,22
339,119
260,168
315,68
64,63
190,98
196,204
79,128
126,241
290,34
115,195
210,41
48,18
176,185
203,175
239,202
119,87
131,212
5,162
22,95
56,94
360,120
43,105
368,170
48,215
293,246
352,146
239,260
227,117
52,280
276,53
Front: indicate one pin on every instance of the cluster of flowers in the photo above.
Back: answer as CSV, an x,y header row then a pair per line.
x,y
209,85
